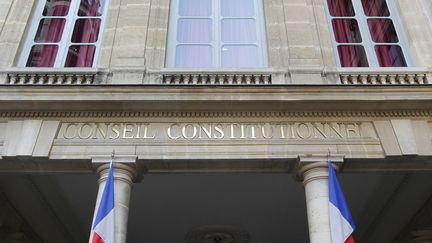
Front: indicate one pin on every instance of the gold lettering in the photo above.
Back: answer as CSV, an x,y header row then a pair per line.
x,y
219,129
81,131
335,130
282,131
115,128
207,131
128,130
146,132
351,128
194,131
252,131
74,134
232,129
169,131
242,131
263,131
101,130
318,130
307,129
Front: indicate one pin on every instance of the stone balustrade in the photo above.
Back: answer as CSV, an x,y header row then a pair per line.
x,y
219,77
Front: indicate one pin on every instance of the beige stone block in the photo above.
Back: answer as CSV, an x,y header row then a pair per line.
x,y
128,62
128,77
132,36
21,137
300,34
304,52
20,11
306,78
305,62
387,137
422,134
45,138
297,13
12,32
130,51
134,15
405,136
8,53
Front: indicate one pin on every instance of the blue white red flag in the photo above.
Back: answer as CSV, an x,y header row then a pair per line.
x,y
103,226
341,223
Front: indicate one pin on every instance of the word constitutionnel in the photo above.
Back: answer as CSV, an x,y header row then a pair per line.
x,y
212,131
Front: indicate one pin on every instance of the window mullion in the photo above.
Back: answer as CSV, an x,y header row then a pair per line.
x,y
217,34
367,41
67,33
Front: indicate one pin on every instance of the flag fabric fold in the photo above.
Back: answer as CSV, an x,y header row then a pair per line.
x,y
341,223
103,226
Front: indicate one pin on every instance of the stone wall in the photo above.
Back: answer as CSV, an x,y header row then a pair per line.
x,y
136,32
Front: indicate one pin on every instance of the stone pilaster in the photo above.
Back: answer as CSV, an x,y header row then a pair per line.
x,y
125,173
313,171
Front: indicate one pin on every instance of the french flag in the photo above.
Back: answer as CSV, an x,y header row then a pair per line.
x,y
341,223
103,226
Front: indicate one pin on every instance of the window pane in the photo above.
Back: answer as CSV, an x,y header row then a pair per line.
x,y
194,56
42,56
382,31
194,31
375,8
237,8
50,30
346,31
86,31
239,31
195,7
390,56
91,7
340,7
80,56
352,56
56,8
236,56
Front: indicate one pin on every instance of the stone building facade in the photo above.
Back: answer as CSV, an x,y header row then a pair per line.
x,y
268,125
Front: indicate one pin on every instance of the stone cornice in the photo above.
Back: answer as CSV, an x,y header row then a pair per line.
x,y
218,99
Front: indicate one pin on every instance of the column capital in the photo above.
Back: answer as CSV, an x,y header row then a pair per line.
x,y
125,168
317,163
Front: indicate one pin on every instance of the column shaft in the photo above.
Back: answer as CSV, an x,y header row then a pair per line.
x,y
123,180
317,198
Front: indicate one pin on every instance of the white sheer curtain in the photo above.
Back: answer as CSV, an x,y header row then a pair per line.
x,y
235,43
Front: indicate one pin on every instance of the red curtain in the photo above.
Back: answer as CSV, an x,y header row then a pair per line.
x,y
51,30
85,31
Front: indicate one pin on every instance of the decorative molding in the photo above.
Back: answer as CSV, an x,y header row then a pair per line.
x,y
212,114
384,76
51,76
217,79
384,79
217,234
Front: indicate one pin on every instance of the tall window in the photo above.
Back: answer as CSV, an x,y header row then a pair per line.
x,y
366,33
64,33
216,33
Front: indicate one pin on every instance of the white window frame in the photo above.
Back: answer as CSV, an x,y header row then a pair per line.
x,y
65,41
367,42
217,43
